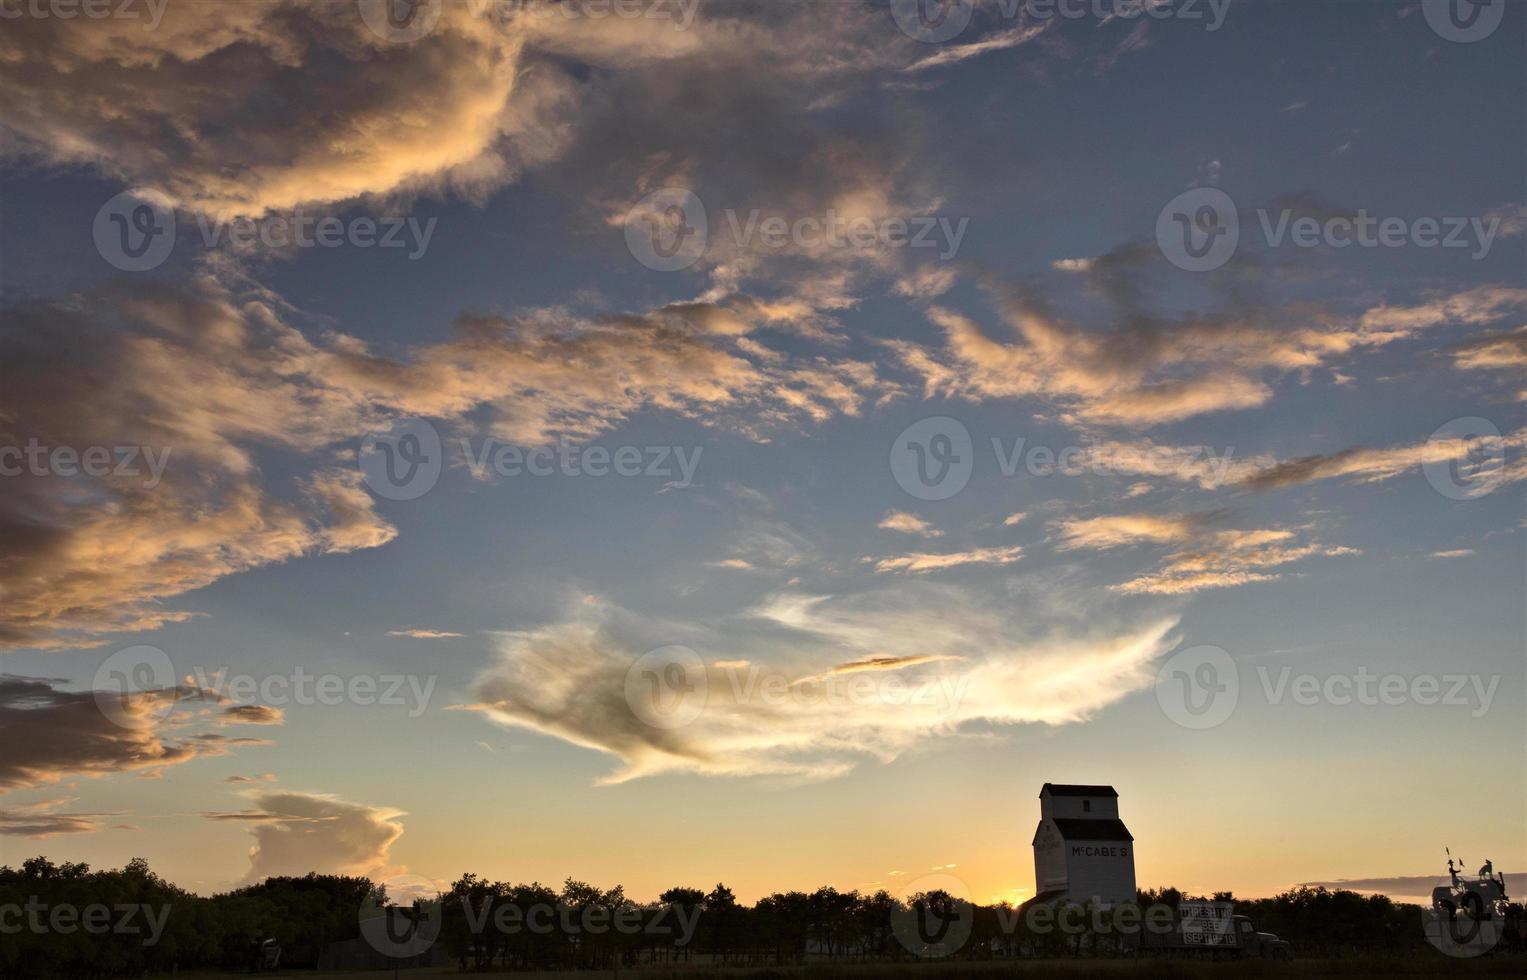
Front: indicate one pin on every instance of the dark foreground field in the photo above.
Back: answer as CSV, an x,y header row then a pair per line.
x,y
1371,966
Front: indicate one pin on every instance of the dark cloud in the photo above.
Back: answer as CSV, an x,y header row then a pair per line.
x,y
52,734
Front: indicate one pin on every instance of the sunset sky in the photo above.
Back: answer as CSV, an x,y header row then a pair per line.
x,y
838,514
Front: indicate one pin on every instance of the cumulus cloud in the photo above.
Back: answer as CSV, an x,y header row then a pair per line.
x,y
1207,557
296,833
922,561
900,520
52,734
822,684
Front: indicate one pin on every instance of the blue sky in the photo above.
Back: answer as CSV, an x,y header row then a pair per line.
x,y
1327,382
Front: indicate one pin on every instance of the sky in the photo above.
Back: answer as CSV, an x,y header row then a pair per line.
x,y
680,442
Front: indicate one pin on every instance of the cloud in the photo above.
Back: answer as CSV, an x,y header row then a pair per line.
x,y
1411,888
88,556
297,833
736,564
1207,558
425,634
1150,369
1364,465
1001,41
52,734
263,777
203,106
253,714
1453,553
926,282
1012,519
921,562
1116,530
783,700
900,520
1493,352
44,819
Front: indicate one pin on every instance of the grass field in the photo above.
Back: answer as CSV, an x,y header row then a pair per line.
x,y
1418,966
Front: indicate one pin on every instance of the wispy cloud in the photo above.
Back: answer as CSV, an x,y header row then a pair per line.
x,y
900,520
922,562
569,681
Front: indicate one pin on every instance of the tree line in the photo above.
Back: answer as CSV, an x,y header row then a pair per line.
x,y
66,920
